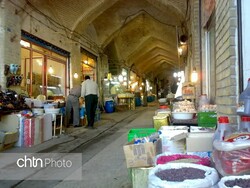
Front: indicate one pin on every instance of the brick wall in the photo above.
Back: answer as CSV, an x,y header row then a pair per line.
x,y
2,35
10,38
226,58
196,44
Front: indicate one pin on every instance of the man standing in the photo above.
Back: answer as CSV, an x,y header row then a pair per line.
x,y
72,102
90,92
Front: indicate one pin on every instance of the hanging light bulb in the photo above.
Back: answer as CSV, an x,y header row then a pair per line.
x,y
75,75
194,76
51,70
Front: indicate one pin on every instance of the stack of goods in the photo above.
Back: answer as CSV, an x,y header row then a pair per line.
x,y
181,175
11,101
200,141
232,156
33,130
231,152
140,152
207,116
150,166
173,138
161,117
183,110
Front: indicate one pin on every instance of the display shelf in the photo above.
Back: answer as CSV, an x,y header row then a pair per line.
x,y
128,101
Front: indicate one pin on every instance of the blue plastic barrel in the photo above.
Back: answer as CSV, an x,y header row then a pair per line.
x,y
137,101
109,106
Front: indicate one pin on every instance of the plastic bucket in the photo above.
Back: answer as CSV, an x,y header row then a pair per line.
x,y
109,106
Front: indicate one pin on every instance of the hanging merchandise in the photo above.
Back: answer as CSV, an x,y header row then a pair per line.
x,y
244,101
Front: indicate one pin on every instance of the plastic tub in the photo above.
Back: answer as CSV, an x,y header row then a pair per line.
x,y
183,115
140,132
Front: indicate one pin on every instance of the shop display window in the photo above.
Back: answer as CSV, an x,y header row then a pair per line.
x,y
43,71
88,66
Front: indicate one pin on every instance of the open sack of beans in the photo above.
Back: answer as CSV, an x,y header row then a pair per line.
x,y
179,175
181,158
235,181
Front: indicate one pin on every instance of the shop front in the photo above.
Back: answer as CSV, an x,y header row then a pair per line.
x,y
35,92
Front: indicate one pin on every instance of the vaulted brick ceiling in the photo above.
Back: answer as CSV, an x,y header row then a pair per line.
x,y
141,33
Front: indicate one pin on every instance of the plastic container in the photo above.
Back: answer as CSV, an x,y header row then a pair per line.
x,y
137,101
160,120
203,100
207,119
164,107
183,115
244,101
109,106
244,124
223,128
233,162
140,132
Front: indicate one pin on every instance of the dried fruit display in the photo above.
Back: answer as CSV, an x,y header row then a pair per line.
x,y
181,174
235,181
10,101
243,183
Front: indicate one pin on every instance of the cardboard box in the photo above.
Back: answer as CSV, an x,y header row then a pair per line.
x,y
141,155
199,142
